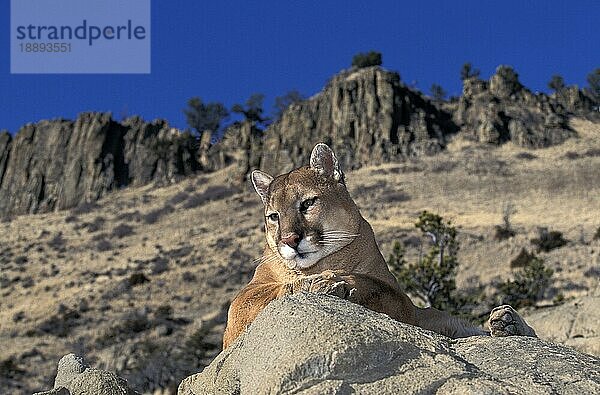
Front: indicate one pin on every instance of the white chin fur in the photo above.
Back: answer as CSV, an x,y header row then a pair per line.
x,y
287,252
296,259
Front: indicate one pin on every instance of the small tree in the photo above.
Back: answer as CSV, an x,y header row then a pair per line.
x,y
556,83
508,74
467,71
371,58
505,231
437,92
203,117
432,278
252,110
593,89
283,102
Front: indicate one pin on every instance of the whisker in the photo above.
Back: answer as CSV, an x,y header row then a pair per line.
x,y
336,230
265,259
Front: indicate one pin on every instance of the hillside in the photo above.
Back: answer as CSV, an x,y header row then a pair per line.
x,y
139,281
369,116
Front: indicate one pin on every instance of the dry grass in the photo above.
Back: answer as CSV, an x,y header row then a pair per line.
x,y
206,248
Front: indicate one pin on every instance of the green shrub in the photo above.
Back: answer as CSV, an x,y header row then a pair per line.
x,y
508,83
122,230
529,285
283,102
137,279
523,259
593,88
252,109
548,240
164,312
502,233
10,369
556,83
467,71
205,117
199,343
432,277
437,92
597,234
371,58
508,74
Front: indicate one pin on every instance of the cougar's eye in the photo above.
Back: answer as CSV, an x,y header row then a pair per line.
x,y
273,217
307,203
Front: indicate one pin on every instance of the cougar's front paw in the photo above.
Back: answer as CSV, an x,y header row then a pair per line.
x,y
328,283
505,321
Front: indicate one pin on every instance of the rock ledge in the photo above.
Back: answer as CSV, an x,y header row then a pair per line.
x,y
315,344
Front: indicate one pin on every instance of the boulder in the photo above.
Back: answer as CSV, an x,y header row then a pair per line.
x,y
318,344
575,323
74,377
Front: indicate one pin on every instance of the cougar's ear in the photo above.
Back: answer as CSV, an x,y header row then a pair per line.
x,y
323,161
261,182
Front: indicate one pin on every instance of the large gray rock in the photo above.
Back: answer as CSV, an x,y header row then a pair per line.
x,y
74,377
315,344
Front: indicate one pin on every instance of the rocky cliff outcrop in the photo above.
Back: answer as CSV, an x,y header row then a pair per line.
x,y
315,344
502,109
576,101
59,164
367,116
5,145
241,144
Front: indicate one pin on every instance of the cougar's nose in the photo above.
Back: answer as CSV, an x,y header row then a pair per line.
x,y
291,239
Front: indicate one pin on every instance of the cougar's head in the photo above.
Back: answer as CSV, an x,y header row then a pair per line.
x,y
308,212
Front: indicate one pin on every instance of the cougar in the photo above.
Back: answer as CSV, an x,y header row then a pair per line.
x,y
317,241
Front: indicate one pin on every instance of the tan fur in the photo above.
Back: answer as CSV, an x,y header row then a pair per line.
x,y
352,267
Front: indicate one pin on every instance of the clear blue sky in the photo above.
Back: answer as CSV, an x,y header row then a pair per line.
x,y
226,50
